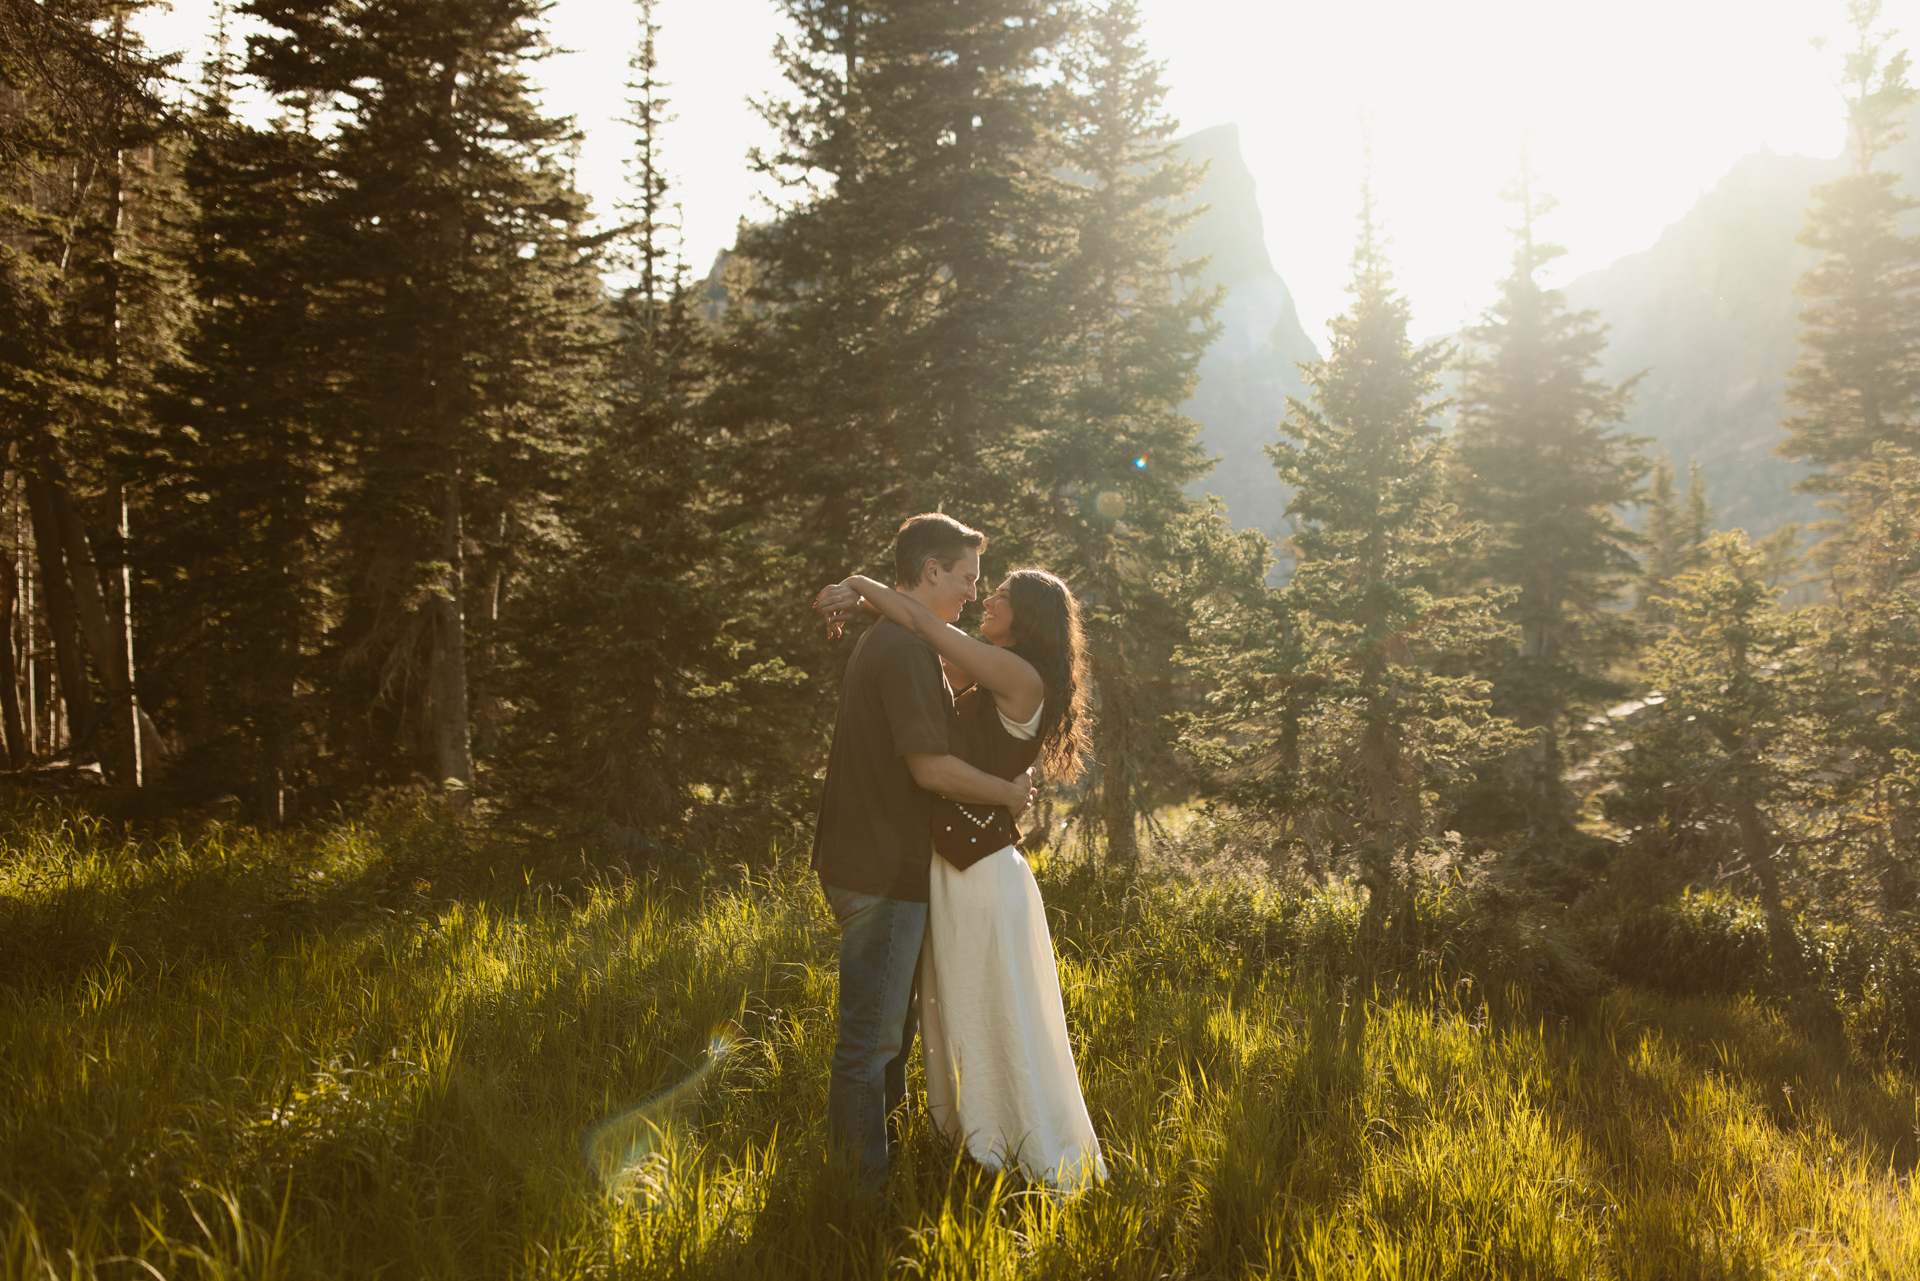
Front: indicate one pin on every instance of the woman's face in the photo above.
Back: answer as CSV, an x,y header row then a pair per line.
x,y
997,627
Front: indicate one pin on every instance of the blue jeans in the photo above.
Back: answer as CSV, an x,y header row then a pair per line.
x,y
879,952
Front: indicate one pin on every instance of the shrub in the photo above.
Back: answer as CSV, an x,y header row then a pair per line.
x,y
1708,943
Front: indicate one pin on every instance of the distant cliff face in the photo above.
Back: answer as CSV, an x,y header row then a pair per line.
x,y
1251,369
1709,313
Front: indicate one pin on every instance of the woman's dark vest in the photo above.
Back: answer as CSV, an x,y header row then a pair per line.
x,y
965,834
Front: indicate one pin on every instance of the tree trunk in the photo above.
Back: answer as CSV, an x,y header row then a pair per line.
x,y
112,656
1756,842
56,595
16,733
110,639
483,705
1116,770
30,673
281,678
450,727
1395,818
452,748
1548,813
136,724
272,801
1380,838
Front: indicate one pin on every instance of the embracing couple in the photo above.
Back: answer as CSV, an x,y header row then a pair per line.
x,y
941,924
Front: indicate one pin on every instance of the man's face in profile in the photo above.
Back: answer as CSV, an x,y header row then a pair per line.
x,y
947,591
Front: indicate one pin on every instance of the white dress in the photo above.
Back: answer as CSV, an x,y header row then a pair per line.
x,y
1000,1071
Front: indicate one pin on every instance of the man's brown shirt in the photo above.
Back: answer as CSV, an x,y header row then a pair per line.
x,y
875,831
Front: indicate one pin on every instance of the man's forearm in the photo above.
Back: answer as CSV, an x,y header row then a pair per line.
x,y
953,778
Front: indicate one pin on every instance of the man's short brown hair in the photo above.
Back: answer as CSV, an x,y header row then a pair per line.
x,y
931,536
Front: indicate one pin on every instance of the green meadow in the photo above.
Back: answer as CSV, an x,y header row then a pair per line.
x,y
410,1047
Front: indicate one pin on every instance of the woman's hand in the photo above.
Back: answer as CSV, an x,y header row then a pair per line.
x,y
1016,686
957,678
1021,794
838,604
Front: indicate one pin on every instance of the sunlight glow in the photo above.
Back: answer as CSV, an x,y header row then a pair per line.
x,y
1634,109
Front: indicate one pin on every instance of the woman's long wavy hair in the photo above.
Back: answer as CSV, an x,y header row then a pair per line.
x,y
1046,632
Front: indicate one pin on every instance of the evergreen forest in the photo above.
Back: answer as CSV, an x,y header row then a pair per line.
x,y
414,721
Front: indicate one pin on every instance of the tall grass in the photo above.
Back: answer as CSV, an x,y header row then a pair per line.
x,y
401,1048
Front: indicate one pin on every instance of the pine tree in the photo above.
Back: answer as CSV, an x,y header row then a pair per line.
x,y
87,272
49,136
1858,381
1733,754
1543,464
1676,538
1856,396
1112,456
1249,648
885,345
887,327
1663,538
1367,465
1781,558
1874,633
256,458
470,297
970,302
648,703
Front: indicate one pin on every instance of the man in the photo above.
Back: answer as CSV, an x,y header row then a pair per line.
x,y
874,839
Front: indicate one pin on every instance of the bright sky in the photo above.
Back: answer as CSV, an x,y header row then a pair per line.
x,y
1634,108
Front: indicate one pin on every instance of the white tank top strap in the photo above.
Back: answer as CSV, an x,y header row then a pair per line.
x,y
1017,730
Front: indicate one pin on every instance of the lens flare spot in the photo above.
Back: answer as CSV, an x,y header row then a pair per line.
x,y
628,1152
1111,504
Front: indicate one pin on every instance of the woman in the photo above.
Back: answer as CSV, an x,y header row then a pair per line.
x,y
1000,1071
